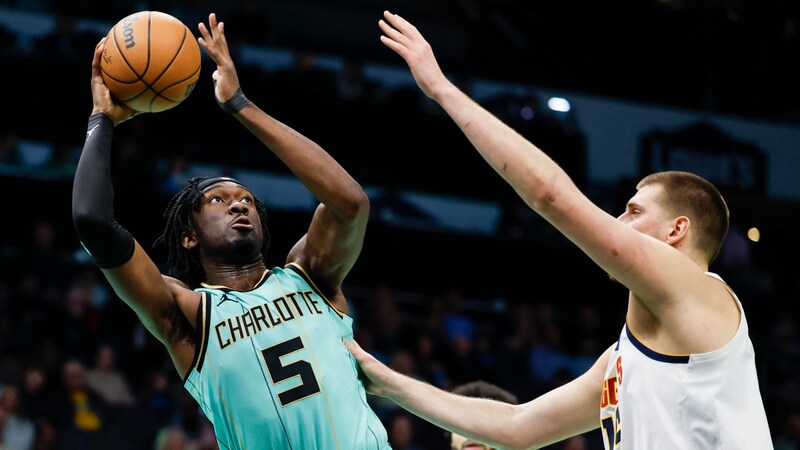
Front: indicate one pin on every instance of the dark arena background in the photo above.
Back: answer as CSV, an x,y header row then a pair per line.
x,y
458,279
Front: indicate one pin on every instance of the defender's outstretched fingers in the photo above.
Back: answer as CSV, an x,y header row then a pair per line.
x,y
205,36
212,24
391,32
400,49
398,22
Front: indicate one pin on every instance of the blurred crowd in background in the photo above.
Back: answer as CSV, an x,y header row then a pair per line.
x,y
521,309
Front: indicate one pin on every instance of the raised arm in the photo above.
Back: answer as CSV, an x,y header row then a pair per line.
x,y
563,412
650,268
131,272
336,234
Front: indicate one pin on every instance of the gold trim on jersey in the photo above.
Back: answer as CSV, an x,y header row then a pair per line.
x,y
201,326
310,281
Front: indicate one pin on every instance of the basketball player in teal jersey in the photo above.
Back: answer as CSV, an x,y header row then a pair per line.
x,y
260,350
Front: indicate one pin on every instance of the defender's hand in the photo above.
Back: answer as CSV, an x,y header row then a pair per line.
x,y
102,101
377,374
226,82
406,41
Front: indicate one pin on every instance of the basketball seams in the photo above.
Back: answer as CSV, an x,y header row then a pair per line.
x,y
122,54
159,93
160,99
147,63
172,61
113,35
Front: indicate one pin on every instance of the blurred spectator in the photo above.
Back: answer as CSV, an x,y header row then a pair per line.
x,y
74,329
479,389
171,438
401,432
16,431
81,415
456,322
547,356
429,360
104,379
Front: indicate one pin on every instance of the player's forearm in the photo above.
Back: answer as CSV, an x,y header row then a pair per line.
x,y
533,174
317,170
93,199
484,420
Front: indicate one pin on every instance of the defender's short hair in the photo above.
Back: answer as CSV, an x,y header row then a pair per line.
x,y
692,196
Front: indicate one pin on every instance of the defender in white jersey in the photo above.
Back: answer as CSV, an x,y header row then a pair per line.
x,y
716,400
660,248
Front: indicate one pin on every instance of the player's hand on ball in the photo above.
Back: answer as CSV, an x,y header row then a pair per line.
x,y
212,39
102,101
406,41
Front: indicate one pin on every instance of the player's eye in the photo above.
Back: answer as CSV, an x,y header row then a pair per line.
x,y
215,199
246,200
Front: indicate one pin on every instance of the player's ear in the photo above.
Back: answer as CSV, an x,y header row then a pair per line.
x,y
189,240
680,229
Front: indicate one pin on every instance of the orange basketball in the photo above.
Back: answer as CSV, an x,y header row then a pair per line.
x,y
151,61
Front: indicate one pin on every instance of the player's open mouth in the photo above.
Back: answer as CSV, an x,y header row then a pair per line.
x,y
242,223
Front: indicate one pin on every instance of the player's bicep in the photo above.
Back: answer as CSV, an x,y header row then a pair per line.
x,y
330,248
139,283
646,266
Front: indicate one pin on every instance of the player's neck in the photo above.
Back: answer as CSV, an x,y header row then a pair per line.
x,y
236,277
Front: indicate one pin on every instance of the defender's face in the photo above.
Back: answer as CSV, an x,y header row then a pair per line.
x,y
228,220
645,214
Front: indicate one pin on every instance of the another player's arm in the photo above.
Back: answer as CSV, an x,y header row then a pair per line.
x,y
128,268
563,412
648,267
336,234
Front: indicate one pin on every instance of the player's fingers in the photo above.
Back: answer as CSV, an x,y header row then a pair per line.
x,y
212,24
221,34
402,24
203,31
98,51
400,49
391,32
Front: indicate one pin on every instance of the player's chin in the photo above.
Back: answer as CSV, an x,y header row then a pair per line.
x,y
612,279
245,242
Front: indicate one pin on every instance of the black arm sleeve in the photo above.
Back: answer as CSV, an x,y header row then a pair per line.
x,y
93,199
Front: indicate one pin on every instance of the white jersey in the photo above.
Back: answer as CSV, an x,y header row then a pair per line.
x,y
698,401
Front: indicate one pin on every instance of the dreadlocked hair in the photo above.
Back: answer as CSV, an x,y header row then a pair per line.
x,y
183,263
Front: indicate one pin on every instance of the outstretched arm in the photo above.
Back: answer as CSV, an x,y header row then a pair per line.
x,y
336,234
650,268
127,267
563,412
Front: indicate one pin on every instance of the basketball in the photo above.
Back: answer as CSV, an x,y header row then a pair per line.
x,y
151,61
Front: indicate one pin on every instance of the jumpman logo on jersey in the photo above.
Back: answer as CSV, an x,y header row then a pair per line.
x,y
228,299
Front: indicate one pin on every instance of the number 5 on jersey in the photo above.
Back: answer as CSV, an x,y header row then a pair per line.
x,y
280,373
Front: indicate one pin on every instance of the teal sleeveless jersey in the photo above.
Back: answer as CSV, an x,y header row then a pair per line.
x,y
271,371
